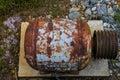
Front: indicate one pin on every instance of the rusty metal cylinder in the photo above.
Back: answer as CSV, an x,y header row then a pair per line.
x,y
65,45
60,45
105,44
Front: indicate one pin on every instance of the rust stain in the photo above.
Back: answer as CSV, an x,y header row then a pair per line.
x,y
50,25
79,44
58,49
49,51
40,24
56,28
48,40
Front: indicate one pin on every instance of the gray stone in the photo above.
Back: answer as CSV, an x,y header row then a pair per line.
x,y
118,64
83,18
112,14
105,18
107,1
113,1
85,3
90,6
30,17
94,8
88,11
93,15
106,26
94,12
74,9
113,27
115,7
110,19
110,71
102,1
74,15
93,1
49,16
110,10
102,9
87,16
119,57
98,4
119,40
74,2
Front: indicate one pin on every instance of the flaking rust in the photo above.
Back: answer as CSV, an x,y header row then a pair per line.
x,y
61,45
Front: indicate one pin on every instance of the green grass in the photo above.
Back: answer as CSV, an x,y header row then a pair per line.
x,y
55,11
1,52
10,7
117,17
3,63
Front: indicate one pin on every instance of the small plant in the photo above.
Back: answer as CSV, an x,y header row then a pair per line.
x,y
3,63
1,52
117,15
55,11
49,1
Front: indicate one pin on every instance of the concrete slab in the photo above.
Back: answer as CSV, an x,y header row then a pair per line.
x,y
95,68
95,25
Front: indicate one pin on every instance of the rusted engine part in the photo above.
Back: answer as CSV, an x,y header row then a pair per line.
x,y
105,44
60,45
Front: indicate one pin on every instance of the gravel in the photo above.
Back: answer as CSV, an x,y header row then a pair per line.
x,y
101,10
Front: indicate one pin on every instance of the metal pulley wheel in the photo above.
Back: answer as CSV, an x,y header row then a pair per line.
x,y
105,44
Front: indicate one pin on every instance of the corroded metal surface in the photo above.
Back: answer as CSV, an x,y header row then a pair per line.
x,y
105,44
95,68
30,43
61,45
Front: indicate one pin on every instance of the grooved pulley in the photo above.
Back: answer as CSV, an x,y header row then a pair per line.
x,y
105,44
